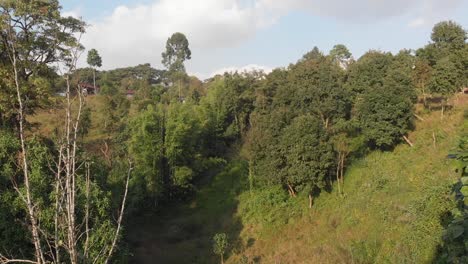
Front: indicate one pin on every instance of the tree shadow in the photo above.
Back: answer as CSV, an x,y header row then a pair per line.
x,y
182,232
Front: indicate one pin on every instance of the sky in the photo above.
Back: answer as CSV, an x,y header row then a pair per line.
x,y
229,35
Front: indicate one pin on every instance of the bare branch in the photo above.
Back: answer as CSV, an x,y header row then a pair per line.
x,y
5,260
122,209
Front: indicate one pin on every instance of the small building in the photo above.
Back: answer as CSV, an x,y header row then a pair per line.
x,y
130,94
88,88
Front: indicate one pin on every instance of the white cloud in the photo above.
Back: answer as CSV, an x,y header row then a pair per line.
x,y
418,22
363,10
137,34
431,11
76,13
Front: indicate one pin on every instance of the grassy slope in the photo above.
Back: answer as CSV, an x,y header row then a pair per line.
x,y
45,122
391,213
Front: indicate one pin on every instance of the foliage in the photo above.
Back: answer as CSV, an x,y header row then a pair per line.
x,y
307,155
269,207
341,55
386,111
93,59
446,78
296,127
220,243
177,51
455,238
448,34
368,73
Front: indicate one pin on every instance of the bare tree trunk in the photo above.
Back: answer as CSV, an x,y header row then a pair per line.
x,y
86,244
434,139
121,213
343,157
70,181
424,95
292,192
28,199
58,189
106,152
94,80
408,141
442,109
338,172
310,200
418,117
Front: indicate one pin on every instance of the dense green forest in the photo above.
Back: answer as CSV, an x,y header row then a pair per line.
x,y
327,160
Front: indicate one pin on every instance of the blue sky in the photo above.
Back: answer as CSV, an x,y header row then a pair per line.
x,y
240,34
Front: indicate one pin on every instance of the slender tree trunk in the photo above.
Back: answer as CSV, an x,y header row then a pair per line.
x,y
418,117
70,180
86,244
338,172
94,80
180,95
28,199
292,192
424,95
310,201
58,201
343,158
121,213
408,141
444,102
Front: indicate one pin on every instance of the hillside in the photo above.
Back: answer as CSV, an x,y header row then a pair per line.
x,y
393,211
332,157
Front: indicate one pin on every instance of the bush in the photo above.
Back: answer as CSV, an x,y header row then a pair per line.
x,y
220,244
271,206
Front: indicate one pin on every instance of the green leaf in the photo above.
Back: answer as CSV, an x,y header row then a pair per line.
x,y
456,231
464,191
464,180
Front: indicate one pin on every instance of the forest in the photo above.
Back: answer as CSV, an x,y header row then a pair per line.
x,y
331,159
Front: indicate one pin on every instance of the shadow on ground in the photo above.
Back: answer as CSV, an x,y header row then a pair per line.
x,y
183,232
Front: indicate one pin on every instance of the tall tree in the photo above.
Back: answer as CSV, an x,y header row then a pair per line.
x,y
341,55
368,72
448,34
94,60
421,76
445,79
33,35
177,51
316,87
67,215
307,155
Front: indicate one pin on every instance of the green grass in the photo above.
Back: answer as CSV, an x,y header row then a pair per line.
x,y
183,231
47,121
392,212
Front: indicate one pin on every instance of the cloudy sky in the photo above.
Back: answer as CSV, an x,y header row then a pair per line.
x,y
239,34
